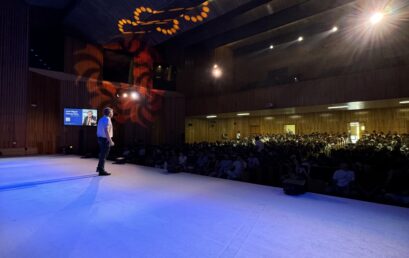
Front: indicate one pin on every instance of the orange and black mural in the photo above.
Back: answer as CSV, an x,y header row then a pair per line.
x,y
142,111
167,22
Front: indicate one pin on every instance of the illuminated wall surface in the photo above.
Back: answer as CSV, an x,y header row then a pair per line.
x,y
104,93
167,22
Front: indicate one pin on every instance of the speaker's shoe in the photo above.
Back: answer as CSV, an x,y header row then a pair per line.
x,y
100,169
104,173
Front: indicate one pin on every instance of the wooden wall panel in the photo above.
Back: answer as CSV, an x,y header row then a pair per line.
x,y
43,125
81,58
171,128
74,94
373,85
167,128
51,92
390,119
13,73
317,57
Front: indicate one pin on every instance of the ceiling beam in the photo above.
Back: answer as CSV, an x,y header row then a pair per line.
x,y
290,15
295,13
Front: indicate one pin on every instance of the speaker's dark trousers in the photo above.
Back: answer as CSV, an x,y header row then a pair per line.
x,y
103,151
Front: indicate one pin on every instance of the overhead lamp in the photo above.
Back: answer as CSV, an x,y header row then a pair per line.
x,y
404,102
334,29
337,107
295,116
300,39
376,18
243,114
211,116
216,72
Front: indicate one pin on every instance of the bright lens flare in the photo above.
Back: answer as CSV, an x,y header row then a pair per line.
x,y
217,73
376,18
134,95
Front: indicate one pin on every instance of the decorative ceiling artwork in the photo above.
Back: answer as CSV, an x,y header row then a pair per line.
x,y
102,21
167,22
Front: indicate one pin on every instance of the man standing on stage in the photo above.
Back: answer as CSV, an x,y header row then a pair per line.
x,y
104,134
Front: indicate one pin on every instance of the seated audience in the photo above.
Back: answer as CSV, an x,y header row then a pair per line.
x,y
379,161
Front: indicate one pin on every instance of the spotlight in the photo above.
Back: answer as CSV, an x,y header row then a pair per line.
x,y
300,39
215,66
334,29
376,17
125,95
217,73
271,46
135,95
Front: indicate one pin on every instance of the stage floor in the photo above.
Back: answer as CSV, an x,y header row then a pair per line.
x,y
57,206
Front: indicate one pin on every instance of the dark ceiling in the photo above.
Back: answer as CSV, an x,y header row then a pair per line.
x,y
97,20
225,21
242,24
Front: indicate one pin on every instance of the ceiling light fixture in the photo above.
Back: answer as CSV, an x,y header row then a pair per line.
x,y
376,18
337,107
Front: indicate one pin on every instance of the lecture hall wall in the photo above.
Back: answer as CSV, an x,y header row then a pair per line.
x,y
13,73
389,119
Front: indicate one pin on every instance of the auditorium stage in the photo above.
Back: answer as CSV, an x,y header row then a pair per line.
x,y
57,206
